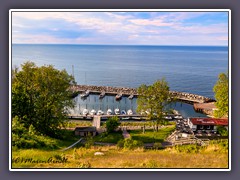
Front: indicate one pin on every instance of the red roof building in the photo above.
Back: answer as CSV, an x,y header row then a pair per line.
x,y
206,123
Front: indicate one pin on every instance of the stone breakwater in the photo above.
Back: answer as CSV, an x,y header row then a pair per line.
x,y
188,97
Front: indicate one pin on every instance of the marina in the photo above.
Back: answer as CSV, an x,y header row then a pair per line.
x,y
131,92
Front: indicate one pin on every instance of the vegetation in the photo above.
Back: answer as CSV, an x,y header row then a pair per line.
x,y
149,136
112,123
214,155
129,143
222,131
153,99
112,137
40,97
144,123
221,95
23,138
76,123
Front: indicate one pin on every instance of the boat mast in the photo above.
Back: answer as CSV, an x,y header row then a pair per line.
x,y
73,71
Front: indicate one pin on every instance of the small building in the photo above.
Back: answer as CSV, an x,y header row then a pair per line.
x,y
85,131
207,124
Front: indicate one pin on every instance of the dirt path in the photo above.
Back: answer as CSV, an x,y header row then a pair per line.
x,y
125,134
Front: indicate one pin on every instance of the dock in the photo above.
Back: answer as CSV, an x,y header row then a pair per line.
x,y
103,93
132,92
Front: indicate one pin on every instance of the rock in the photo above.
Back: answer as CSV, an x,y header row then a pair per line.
x,y
98,154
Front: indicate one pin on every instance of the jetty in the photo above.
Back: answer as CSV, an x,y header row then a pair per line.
x,y
132,92
206,108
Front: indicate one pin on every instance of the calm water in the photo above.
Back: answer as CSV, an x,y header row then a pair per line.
x,y
109,102
192,69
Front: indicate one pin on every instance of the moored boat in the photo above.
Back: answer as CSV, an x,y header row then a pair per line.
x,y
109,112
130,112
93,112
131,96
102,95
85,112
100,112
117,111
85,94
118,97
123,112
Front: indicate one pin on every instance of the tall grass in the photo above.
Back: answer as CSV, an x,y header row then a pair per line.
x,y
211,156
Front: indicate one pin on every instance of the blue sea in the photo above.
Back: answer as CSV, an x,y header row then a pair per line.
x,y
192,69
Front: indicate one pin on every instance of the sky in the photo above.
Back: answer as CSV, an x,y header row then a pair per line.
x,y
121,28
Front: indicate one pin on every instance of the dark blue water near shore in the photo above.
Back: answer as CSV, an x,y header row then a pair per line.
x,y
192,69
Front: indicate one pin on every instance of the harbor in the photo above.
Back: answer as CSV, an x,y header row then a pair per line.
x,y
132,92
106,101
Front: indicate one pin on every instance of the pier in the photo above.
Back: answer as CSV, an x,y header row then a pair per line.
x,y
206,108
130,92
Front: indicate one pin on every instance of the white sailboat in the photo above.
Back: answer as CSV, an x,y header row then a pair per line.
x,y
85,112
130,112
117,111
93,112
100,112
109,112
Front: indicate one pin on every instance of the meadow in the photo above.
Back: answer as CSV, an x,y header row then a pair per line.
x,y
213,156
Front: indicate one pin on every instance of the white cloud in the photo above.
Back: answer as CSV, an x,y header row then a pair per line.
x,y
149,22
110,28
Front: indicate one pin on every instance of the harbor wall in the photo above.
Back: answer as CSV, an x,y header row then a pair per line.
x,y
184,96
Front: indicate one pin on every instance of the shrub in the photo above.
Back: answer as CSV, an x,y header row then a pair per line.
x,y
222,131
129,144
188,148
112,124
89,142
120,143
157,145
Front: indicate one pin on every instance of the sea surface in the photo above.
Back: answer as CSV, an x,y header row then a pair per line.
x,y
192,69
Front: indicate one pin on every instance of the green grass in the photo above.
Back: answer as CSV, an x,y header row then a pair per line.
x,y
142,123
77,123
28,141
112,137
151,136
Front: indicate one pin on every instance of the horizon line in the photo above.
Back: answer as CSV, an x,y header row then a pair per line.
x,y
114,44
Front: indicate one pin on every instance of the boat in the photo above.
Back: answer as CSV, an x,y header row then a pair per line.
x,y
131,96
109,112
125,118
130,112
85,94
93,112
123,112
168,117
100,112
102,95
117,111
85,112
118,97
178,117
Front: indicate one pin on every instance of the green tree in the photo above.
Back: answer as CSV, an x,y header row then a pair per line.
x,y
221,95
41,97
222,131
112,123
153,99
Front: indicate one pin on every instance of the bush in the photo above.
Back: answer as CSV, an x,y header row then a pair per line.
x,y
129,144
112,124
222,131
188,148
89,142
120,143
157,145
